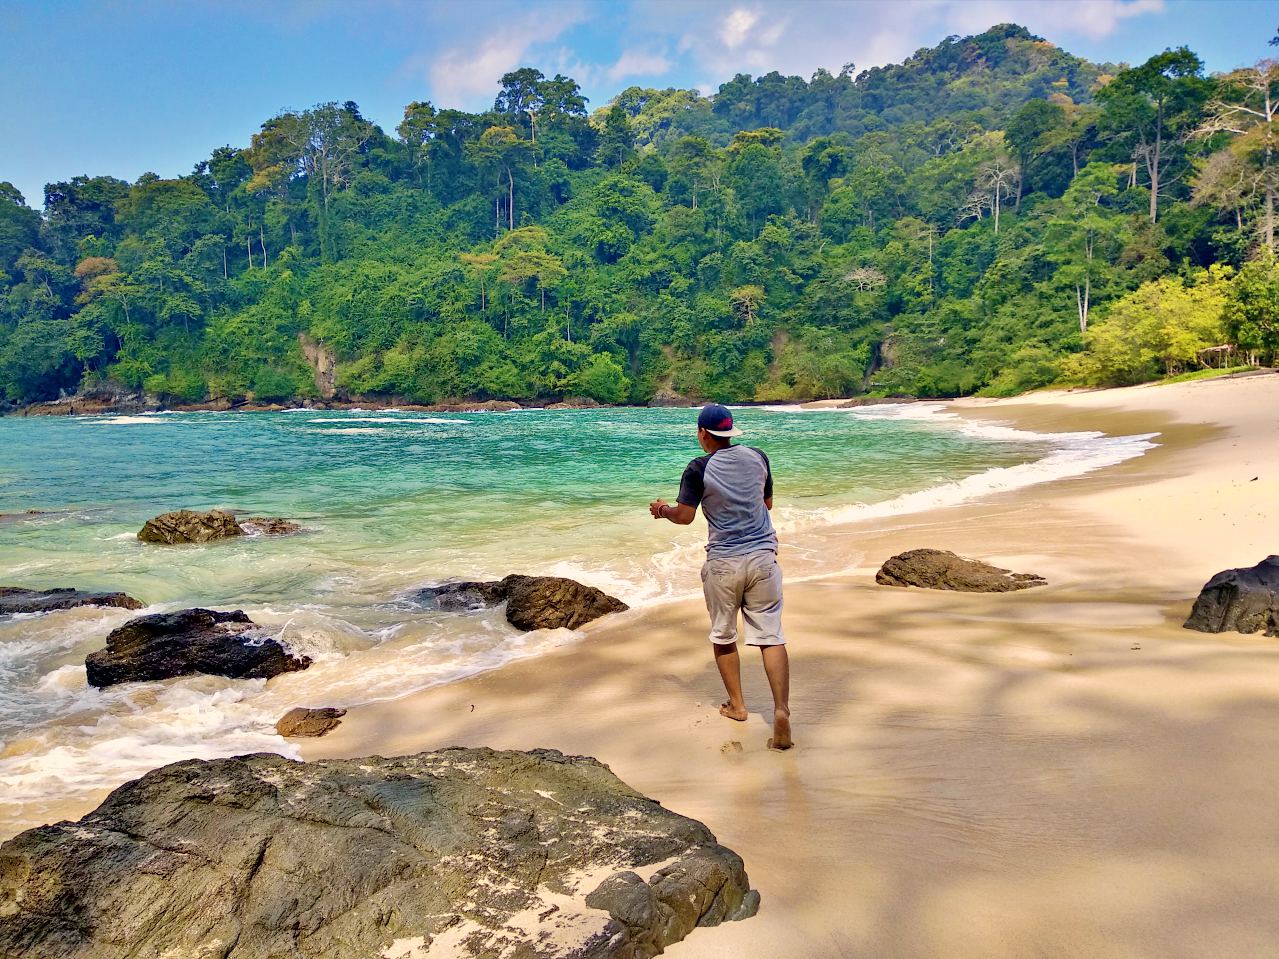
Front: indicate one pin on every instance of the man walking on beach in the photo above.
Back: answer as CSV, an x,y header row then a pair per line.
x,y
734,487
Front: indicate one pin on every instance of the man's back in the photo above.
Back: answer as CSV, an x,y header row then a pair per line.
x,y
731,486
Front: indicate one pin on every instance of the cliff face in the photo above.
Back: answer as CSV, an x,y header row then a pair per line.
x,y
323,363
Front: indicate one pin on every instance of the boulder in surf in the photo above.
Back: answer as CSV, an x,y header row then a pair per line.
x,y
190,641
532,602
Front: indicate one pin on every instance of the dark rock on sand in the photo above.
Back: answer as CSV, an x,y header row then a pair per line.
x,y
190,641
939,569
301,721
16,600
460,852
1240,600
532,602
269,526
189,526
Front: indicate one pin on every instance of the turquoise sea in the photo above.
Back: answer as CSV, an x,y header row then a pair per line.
x,y
391,501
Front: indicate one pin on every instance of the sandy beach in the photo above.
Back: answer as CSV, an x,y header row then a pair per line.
x,y
1061,772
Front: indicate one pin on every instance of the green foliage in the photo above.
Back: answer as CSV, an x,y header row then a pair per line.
x,y
972,219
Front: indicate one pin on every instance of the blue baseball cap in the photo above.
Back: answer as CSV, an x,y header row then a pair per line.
x,y
717,421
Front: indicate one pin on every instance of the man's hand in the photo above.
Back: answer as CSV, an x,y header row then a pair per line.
x,y
679,514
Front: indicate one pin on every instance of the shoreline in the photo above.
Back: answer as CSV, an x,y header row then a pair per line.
x,y
975,774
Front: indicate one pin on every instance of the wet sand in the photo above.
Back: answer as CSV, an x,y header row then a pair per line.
x,y
1061,772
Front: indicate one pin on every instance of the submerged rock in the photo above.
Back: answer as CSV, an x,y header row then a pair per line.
x,y
189,641
190,526
1239,600
269,526
16,600
301,721
460,852
940,569
532,602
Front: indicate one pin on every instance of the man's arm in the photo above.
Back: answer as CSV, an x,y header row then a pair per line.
x,y
677,513
684,509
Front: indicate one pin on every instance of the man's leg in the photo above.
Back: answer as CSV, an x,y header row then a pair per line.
x,y
722,585
762,610
777,668
730,671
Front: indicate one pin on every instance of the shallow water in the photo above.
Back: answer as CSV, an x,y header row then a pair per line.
x,y
392,501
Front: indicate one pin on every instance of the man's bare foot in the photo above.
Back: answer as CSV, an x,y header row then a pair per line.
x,y
738,713
781,731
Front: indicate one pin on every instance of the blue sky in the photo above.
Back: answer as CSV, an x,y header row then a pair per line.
x,y
127,86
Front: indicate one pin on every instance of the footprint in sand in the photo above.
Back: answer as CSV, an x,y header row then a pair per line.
x,y
731,748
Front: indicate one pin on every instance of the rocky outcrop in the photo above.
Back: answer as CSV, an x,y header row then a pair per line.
x,y
323,363
939,569
301,721
205,526
532,602
190,526
189,641
574,403
1239,600
16,600
666,397
461,852
95,401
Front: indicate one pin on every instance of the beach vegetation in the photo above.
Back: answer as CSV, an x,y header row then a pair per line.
x,y
991,215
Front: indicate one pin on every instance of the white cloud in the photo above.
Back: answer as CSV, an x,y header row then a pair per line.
x,y
737,27
639,63
468,71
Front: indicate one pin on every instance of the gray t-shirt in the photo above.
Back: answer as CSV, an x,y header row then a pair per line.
x,y
731,485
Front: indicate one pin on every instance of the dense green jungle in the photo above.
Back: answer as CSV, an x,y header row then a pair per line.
x,y
991,216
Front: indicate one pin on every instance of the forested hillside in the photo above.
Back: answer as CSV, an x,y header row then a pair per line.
x,y
992,215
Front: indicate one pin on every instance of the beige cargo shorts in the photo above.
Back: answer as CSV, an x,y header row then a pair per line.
x,y
750,584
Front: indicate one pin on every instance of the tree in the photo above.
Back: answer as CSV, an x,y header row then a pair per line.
x,y
320,144
1154,108
746,301
1086,234
418,131
1161,328
1026,132
1252,309
1247,109
479,265
617,139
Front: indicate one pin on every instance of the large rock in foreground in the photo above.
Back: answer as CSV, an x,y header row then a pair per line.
x,y
532,602
189,641
1240,600
16,600
189,526
461,852
940,569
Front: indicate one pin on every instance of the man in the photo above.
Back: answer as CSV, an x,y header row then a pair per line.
x,y
734,487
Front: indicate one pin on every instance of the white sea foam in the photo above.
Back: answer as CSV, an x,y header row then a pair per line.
x,y
126,420
389,419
